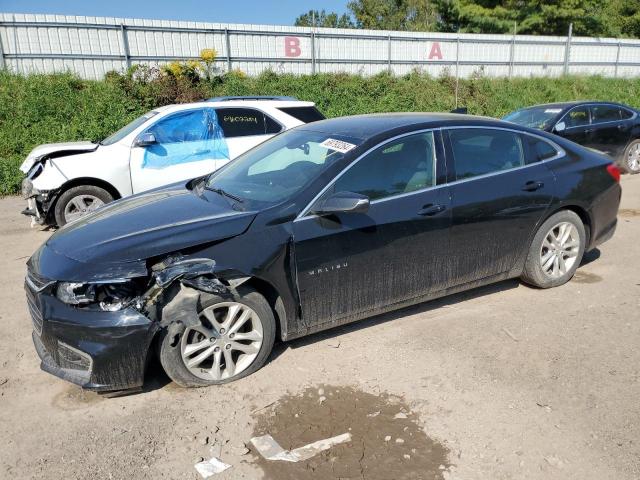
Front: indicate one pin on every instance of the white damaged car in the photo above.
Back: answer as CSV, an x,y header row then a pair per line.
x,y
168,144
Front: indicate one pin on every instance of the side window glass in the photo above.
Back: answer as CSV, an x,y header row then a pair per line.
x,y
479,151
539,149
605,113
271,126
187,126
577,117
401,166
241,122
626,114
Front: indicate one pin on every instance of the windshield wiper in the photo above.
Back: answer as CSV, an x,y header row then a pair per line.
x,y
220,191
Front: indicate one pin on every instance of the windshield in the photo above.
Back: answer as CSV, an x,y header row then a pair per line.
x,y
539,117
127,129
279,168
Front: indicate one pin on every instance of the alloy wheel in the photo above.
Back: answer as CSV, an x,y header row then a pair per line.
x,y
633,158
226,342
80,206
560,249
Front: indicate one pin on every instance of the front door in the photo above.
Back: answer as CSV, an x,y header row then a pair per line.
x,y
577,125
353,264
189,144
500,192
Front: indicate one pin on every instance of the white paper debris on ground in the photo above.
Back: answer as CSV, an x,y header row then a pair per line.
x,y
210,467
271,450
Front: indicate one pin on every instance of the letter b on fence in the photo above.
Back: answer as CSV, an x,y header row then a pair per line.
x,y
292,47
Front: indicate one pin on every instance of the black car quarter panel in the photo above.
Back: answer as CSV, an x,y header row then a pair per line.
x,y
497,202
350,263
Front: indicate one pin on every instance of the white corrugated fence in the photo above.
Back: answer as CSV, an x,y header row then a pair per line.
x,y
92,46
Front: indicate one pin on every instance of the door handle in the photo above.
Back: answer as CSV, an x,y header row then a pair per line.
x,y
430,210
622,128
532,186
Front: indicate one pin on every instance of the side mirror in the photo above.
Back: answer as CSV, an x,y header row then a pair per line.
x,y
145,140
560,127
343,202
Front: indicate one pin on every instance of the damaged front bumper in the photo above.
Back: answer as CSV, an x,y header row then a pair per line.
x,y
38,202
107,350
98,350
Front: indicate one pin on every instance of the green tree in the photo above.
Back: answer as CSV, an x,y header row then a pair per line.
x,y
411,15
543,17
324,19
623,17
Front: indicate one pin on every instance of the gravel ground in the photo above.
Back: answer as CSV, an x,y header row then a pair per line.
x,y
503,382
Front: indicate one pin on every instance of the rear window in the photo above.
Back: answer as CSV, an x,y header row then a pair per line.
x,y
304,114
626,114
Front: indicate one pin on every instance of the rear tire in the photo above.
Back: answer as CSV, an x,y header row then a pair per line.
x,y
218,344
630,161
556,251
76,202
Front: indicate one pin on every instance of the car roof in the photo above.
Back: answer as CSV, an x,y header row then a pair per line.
x,y
252,103
367,126
574,103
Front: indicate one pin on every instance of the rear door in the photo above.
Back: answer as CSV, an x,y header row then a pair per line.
x,y
351,264
244,128
610,129
500,190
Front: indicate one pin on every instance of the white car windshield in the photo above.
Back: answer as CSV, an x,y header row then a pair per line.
x,y
279,168
127,129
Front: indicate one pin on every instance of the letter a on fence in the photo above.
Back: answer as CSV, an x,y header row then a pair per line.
x,y
292,47
435,51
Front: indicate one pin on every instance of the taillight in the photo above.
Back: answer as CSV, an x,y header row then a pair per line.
x,y
614,171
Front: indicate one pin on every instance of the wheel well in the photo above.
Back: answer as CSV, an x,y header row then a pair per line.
x,y
582,213
274,299
95,182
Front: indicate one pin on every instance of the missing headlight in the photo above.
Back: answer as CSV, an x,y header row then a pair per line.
x,y
109,297
114,297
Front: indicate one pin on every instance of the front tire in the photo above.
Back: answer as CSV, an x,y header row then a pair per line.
x,y
630,161
234,339
556,251
78,202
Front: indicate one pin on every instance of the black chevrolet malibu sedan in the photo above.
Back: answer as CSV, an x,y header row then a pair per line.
x,y
320,226
611,128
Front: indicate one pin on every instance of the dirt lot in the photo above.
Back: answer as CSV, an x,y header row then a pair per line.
x,y
504,382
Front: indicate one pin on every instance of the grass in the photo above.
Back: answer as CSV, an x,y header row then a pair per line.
x,y
38,109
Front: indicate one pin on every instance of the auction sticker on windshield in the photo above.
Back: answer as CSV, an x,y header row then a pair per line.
x,y
553,110
337,145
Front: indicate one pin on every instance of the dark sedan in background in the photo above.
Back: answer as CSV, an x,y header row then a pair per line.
x,y
322,225
611,128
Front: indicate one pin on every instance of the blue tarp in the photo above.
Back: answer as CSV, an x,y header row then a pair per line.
x,y
189,136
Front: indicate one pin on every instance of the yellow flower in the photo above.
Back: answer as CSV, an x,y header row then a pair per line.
x,y
174,68
208,54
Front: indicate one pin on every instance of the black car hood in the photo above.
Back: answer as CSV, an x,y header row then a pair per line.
x,y
119,236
